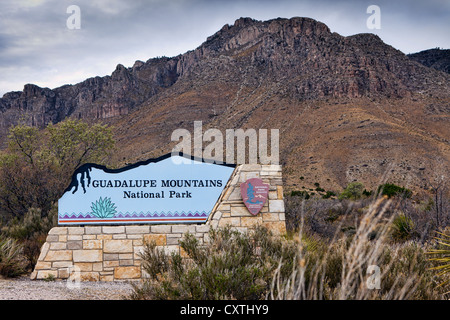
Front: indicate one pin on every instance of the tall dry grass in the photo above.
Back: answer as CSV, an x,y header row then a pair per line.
x,y
344,268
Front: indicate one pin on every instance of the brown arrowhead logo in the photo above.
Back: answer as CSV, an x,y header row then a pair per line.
x,y
254,193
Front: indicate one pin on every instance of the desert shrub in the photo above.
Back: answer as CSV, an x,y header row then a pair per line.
x,y
11,260
392,190
406,267
329,194
302,194
37,165
340,270
402,227
353,191
233,265
31,231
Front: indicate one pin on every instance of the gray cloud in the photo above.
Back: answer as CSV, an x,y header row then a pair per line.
x,y
36,46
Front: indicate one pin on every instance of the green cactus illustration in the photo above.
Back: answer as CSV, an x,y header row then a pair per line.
x,y
103,208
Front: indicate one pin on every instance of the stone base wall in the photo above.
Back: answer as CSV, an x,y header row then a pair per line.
x,y
112,253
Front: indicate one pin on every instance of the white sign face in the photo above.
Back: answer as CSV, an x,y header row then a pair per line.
x,y
164,190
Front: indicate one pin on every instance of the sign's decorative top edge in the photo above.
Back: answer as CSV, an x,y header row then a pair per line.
x,y
85,168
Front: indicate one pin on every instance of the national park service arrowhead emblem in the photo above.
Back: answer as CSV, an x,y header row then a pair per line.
x,y
254,193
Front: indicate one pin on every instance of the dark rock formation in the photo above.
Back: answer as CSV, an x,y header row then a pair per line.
x,y
438,59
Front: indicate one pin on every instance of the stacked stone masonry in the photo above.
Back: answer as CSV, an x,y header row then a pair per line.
x,y
112,253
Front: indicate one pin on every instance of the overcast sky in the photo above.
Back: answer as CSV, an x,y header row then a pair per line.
x,y
36,46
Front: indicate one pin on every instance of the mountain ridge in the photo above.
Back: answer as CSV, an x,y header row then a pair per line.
x,y
357,96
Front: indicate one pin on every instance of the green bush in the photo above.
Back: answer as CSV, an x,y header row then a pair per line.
x,y
391,190
353,191
31,231
403,227
232,266
329,194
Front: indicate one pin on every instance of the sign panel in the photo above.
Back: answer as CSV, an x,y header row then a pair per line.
x,y
254,193
170,189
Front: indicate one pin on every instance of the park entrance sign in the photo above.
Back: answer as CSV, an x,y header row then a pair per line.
x,y
170,189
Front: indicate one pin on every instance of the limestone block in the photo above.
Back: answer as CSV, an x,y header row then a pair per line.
x,y
119,236
58,255
235,194
277,228
251,167
224,207
58,231
87,255
115,229
280,192
93,230
276,206
173,239
273,195
110,256
269,216
129,272
159,239
233,221
89,276
240,211
63,273
74,237
137,229
118,246
202,228
271,167
83,266
43,265
43,274
44,249
62,264
106,278
76,230
104,236
52,238
126,262
217,215
97,266
58,246
75,245
161,229
251,221
183,229
110,264
92,244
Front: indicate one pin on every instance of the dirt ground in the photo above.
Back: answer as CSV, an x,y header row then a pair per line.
x,y
25,289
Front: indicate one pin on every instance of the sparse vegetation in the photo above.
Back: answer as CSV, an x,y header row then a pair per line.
x,y
310,265
391,190
232,266
12,263
353,191
35,169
